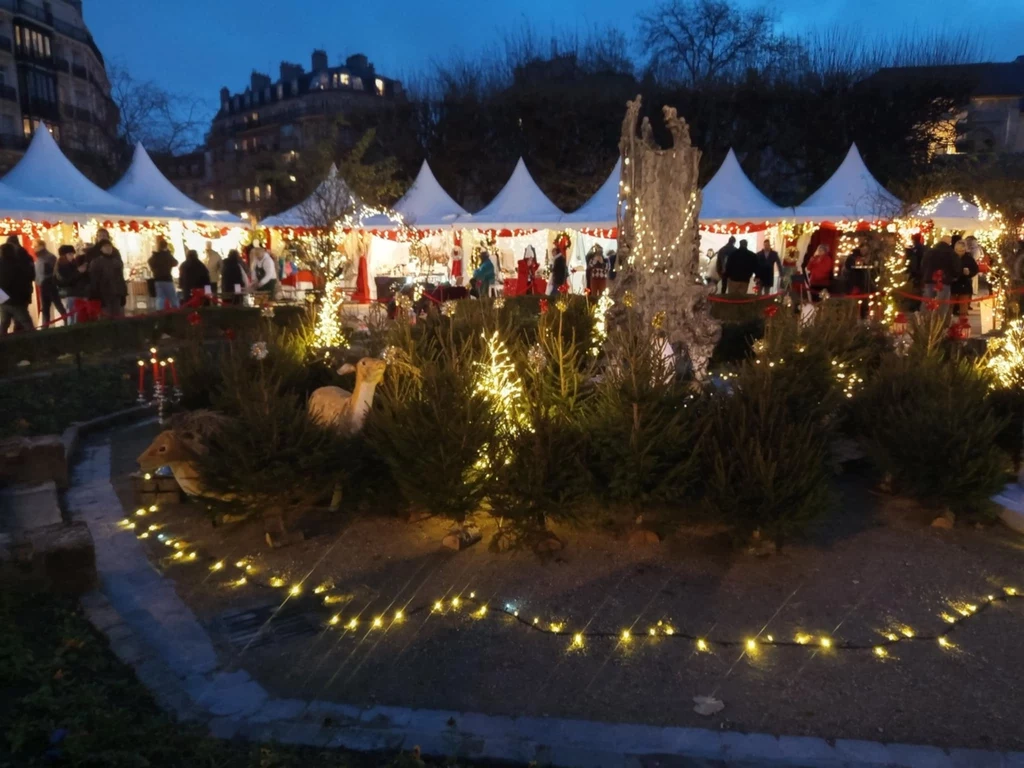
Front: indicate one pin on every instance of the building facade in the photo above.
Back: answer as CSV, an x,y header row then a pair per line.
x,y
52,74
258,136
991,119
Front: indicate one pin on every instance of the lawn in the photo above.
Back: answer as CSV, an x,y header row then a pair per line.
x,y
48,404
69,702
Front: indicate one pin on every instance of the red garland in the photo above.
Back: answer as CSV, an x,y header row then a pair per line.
x,y
771,310
543,306
563,288
194,318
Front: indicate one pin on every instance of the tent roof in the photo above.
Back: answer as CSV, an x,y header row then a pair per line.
x,y
296,216
851,193
14,205
520,203
601,210
950,211
731,196
143,184
44,172
426,203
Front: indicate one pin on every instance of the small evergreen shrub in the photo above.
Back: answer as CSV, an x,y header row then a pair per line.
x,y
646,427
931,425
765,466
432,430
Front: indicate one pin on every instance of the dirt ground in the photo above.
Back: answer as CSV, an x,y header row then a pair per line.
x,y
874,567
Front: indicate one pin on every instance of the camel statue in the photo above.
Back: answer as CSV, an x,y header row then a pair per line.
x,y
333,406
181,448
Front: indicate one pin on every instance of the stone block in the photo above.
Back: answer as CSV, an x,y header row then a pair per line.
x,y
915,755
974,758
25,507
855,750
33,460
806,749
278,709
55,558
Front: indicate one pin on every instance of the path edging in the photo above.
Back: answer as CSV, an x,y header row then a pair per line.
x,y
152,630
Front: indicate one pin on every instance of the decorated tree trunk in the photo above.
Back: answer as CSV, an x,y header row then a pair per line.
x,y
658,246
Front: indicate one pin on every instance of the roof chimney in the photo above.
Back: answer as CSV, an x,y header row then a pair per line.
x,y
319,60
258,81
225,96
290,71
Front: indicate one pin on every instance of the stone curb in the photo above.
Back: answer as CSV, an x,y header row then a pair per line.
x,y
73,435
152,630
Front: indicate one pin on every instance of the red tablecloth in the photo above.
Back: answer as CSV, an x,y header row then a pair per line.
x,y
540,286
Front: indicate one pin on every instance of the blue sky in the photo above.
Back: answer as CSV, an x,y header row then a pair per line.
x,y
196,46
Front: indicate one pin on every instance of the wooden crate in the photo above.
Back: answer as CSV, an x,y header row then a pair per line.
x,y
155,489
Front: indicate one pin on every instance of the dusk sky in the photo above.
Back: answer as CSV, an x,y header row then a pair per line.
x,y
197,46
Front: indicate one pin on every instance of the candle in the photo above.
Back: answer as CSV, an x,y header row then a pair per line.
x,y
142,376
174,370
163,373
156,371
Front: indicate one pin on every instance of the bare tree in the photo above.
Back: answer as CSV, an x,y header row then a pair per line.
x,y
164,122
699,42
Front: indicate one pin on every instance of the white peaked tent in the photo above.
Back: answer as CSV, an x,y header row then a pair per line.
x,y
426,204
950,211
144,185
519,205
731,196
850,194
44,172
329,189
599,212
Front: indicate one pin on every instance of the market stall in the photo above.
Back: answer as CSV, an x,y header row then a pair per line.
x,y
520,216
733,207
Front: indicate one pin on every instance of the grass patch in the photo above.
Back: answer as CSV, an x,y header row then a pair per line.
x,y
68,701
45,405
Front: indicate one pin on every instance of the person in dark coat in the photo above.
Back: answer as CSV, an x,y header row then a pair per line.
x,y
767,263
740,268
106,280
162,264
940,267
722,261
17,274
559,272
233,280
46,279
68,279
192,275
962,287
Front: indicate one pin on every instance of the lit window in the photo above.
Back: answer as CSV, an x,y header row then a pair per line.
x,y
26,127
248,195
344,78
269,191
380,86
46,45
17,36
256,193
255,116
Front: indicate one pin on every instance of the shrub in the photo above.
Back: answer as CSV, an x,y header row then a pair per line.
x,y
268,453
766,466
932,427
645,426
431,430
540,394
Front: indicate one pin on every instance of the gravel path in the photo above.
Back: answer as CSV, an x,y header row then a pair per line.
x,y
876,567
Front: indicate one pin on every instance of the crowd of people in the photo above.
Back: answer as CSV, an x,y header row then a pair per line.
x,y
945,272
74,284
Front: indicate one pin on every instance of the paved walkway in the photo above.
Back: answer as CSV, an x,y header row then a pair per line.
x,y
150,628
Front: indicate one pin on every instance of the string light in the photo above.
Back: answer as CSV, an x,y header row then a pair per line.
x,y
966,611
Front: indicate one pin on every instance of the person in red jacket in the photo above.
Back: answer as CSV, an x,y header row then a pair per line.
x,y
819,271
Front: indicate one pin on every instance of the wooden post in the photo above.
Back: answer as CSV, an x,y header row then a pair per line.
x,y
658,259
